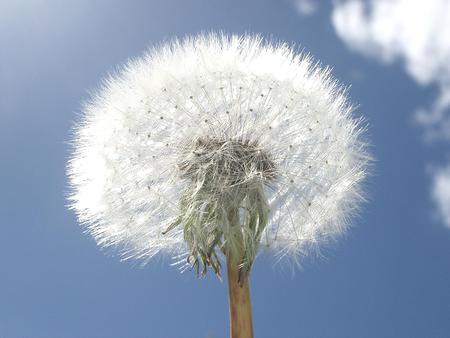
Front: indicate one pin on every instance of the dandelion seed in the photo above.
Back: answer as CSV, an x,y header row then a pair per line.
x,y
244,168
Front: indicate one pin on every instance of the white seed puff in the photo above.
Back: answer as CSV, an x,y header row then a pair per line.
x,y
199,135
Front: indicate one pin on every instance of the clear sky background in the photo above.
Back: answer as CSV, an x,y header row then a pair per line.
x,y
389,277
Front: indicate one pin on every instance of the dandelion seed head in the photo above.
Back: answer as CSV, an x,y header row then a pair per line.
x,y
217,144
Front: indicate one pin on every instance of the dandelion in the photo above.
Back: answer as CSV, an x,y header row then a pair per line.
x,y
213,148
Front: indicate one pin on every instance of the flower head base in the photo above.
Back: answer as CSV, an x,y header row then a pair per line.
x,y
224,207
217,145
223,164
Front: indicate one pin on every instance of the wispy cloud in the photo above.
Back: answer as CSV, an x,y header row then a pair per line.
x,y
306,7
441,193
417,33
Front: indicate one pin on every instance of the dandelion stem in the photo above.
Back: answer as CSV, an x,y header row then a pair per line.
x,y
241,324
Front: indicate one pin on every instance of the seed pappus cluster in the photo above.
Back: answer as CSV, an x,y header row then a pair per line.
x,y
217,145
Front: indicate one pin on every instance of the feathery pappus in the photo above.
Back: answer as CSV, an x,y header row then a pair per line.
x,y
217,144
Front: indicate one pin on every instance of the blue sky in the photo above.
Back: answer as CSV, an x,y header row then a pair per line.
x,y
389,277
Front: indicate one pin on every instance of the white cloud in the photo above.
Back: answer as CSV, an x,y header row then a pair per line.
x,y
416,32
436,118
441,193
306,7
